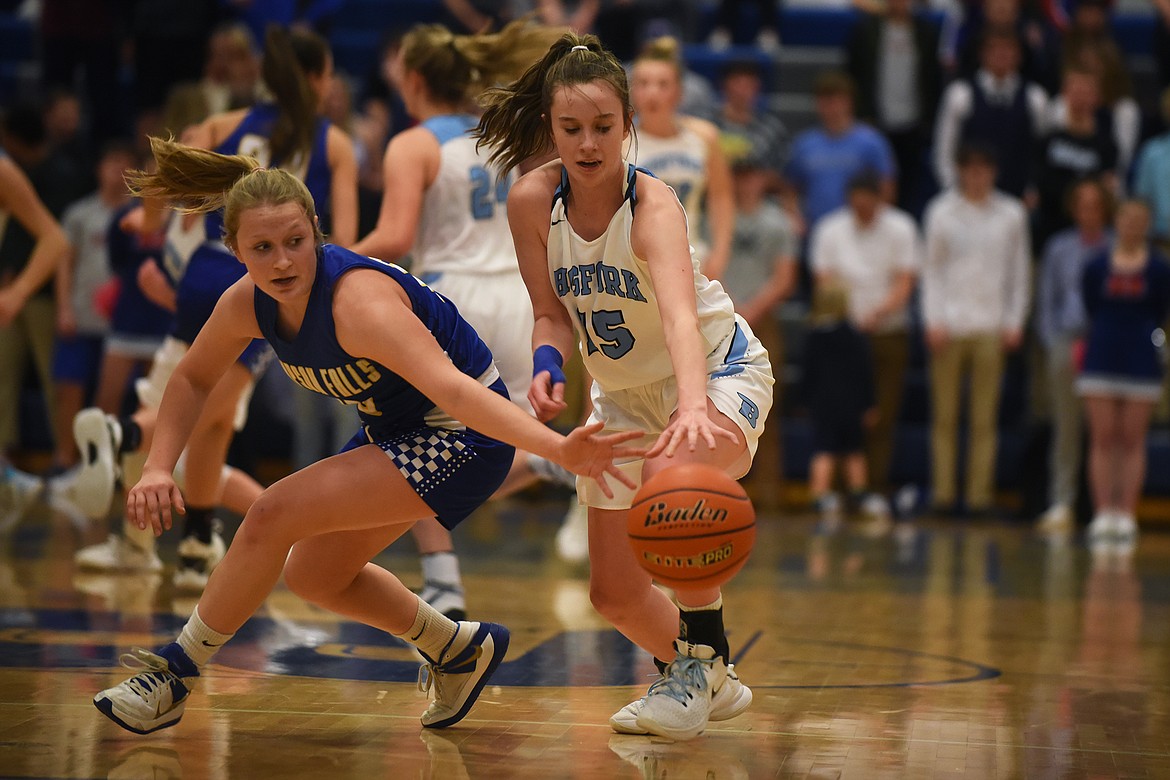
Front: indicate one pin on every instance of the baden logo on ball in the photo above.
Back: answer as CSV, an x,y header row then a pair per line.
x,y
691,526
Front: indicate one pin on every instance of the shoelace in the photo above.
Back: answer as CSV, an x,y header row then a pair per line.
x,y
684,673
429,677
154,671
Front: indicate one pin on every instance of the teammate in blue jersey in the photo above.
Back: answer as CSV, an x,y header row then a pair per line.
x,y
446,208
288,133
434,418
610,268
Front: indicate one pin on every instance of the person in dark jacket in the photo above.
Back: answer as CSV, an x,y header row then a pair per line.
x,y
893,59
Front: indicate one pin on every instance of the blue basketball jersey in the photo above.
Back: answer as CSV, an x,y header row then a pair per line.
x,y
386,402
251,138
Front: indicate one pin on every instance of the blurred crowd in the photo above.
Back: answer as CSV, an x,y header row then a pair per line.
x,y
969,166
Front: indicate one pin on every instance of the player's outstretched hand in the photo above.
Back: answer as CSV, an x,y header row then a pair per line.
x,y
149,503
546,396
588,453
688,429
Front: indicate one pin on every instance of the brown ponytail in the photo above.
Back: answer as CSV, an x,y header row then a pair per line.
x,y
515,119
199,181
456,68
288,59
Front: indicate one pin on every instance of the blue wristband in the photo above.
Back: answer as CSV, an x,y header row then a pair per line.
x,y
547,358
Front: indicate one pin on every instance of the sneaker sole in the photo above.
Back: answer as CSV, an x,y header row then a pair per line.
x,y
727,712
500,638
679,735
94,489
622,725
737,708
106,707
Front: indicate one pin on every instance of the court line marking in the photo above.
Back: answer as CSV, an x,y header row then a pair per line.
x,y
482,722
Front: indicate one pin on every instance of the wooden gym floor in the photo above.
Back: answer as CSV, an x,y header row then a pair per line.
x,y
945,649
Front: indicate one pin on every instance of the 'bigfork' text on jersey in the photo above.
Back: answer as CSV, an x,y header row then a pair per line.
x,y
609,295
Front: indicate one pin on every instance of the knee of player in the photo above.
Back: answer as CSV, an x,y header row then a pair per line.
x,y
266,520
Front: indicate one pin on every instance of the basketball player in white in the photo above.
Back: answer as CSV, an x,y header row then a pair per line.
x,y
611,269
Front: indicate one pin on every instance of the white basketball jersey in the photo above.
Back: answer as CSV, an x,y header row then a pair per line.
x,y
464,222
679,160
610,297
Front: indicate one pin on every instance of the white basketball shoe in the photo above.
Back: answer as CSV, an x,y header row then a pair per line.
x,y
461,671
154,698
117,553
99,440
196,561
729,699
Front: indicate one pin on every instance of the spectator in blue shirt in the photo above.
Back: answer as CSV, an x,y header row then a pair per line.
x,y
825,158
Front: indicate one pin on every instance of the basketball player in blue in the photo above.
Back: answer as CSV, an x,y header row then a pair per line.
x,y
434,416
610,268
446,207
289,133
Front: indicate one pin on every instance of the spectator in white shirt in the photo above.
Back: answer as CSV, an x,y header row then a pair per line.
x,y
996,107
974,302
873,251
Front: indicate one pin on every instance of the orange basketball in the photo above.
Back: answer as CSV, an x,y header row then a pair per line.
x,y
692,526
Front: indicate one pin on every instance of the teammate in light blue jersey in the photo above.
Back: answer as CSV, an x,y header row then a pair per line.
x,y
435,418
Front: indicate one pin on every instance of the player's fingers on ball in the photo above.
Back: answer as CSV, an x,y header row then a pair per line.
x,y
558,392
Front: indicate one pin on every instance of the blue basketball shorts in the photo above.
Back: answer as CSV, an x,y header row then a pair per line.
x,y
453,471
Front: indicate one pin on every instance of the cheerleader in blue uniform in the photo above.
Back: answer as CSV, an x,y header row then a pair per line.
x,y
434,417
1127,298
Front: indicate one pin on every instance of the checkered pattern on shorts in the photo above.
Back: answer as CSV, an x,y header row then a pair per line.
x,y
428,460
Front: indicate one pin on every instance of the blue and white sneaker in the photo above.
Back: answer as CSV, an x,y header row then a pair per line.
x,y
679,705
461,671
731,699
154,698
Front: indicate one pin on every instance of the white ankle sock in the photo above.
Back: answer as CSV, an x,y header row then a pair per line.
x,y
200,642
441,567
431,631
